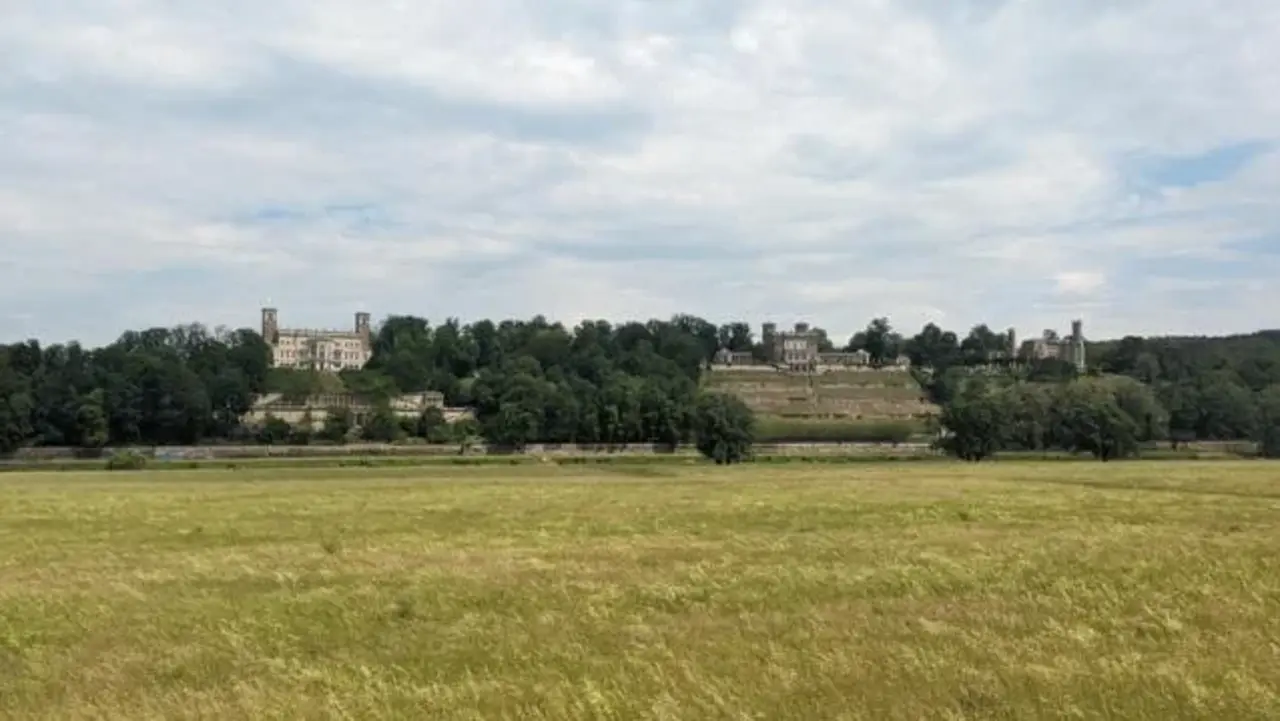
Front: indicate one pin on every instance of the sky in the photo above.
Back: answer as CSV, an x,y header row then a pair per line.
x,y
1012,162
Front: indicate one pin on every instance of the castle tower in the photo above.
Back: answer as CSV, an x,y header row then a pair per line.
x,y
1077,345
769,337
362,327
270,326
1012,336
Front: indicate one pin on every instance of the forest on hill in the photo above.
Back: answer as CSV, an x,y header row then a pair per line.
x,y
535,380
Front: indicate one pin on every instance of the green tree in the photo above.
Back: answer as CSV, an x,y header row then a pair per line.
x,y
513,427
1225,409
975,423
382,426
933,348
15,411
434,427
1051,370
296,386
1182,402
982,345
1087,418
724,428
274,431
1138,401
91,420
1268,428
736,337
941,384
369,385
1027,418
338,423
303,431
879,341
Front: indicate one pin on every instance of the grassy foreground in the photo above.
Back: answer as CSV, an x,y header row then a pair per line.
x,y
1129,591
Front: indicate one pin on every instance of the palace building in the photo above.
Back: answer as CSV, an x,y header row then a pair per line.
x,y
315,349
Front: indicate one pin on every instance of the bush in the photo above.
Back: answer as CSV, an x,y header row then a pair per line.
x,y
337,425
795,430
382,426
274,431
725,428
301,434
432,424
126,461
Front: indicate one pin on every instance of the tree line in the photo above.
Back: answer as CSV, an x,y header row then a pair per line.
x,y
526,381
1107,416
161,386
1136,391
601,383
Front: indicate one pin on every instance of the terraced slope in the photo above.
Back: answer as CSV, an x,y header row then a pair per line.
x,y
869,396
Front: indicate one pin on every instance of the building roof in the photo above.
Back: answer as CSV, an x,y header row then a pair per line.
x,y
319,333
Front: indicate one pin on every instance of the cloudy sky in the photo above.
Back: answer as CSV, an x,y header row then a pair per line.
x,y
1017,162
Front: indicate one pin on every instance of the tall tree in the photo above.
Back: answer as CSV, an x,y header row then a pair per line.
x,y
1268,428
975,423
1087,417
15,410
724,427
880,342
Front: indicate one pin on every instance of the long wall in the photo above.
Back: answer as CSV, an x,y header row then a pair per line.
x,y
197,453
360,449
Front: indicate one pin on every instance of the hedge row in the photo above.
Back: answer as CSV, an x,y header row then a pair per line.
x,y
795,430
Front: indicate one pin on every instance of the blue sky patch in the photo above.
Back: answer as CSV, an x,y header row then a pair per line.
x,y
1211,166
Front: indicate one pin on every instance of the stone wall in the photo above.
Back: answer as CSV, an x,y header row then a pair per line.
x,y
410,405
233,452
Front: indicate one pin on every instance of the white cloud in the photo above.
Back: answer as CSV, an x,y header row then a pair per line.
x,y
1080,282
427,44
775,159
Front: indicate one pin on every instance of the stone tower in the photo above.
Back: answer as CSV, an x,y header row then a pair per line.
x,y
769,338
362,327
1077,345
1012,341
270,326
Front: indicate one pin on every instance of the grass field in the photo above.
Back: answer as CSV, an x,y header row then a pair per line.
x,y
1132,591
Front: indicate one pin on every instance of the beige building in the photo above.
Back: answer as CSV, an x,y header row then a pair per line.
x,y
321,350
798,350
317,408
1050,345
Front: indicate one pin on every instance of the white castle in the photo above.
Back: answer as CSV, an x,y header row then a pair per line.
x,y
321,350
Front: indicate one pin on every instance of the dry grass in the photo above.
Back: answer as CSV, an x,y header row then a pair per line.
x,y
916,591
